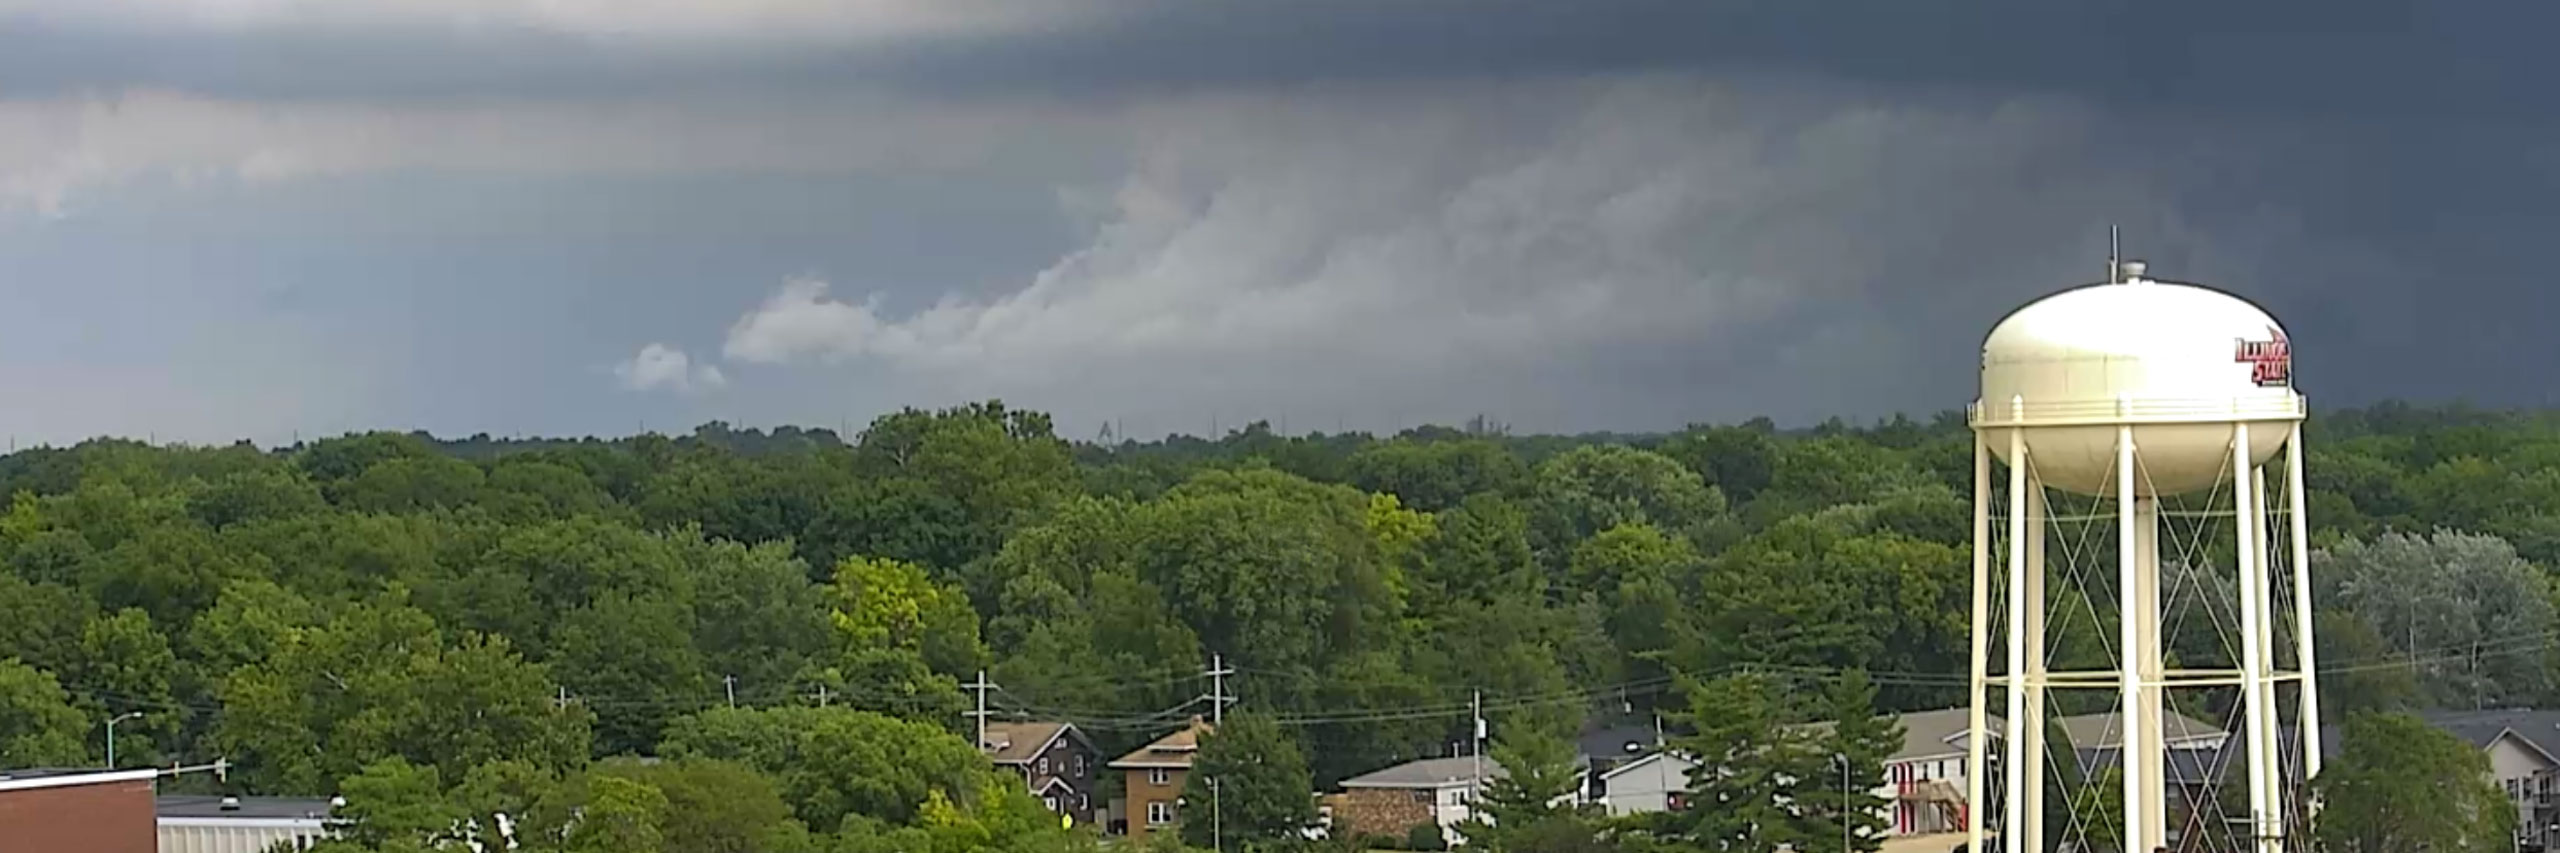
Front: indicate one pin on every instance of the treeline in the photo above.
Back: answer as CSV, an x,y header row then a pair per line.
x,y
393,612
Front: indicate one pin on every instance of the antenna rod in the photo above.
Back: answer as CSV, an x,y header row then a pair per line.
x,y
2115,267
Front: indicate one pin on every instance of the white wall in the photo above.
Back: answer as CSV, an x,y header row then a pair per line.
x,y
1646,787
235,835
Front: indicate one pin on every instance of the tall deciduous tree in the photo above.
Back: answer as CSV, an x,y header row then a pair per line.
x,y
38,726
2470,616
2402,785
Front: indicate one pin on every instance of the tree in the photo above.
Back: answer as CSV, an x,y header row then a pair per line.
x,y
2403,785
38,726
836,763
1596,487
1750,769
1739,461
1526,808
380,681
621,815
1861,739
2468,615
1436,475
125,665
712,806
1250,784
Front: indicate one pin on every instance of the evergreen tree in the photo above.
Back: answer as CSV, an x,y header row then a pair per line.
x,y
1530,806
1859,742
1745,795
1250,786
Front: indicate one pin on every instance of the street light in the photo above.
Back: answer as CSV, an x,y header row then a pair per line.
x,y
111,735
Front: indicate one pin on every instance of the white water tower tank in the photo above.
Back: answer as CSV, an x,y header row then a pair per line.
x,y
2183,363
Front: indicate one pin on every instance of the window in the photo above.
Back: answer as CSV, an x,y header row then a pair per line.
x,y
1159,776
1079,765
1050,802
1159,813
1044,765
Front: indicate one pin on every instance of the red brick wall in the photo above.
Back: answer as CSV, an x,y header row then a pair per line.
x,y
115,817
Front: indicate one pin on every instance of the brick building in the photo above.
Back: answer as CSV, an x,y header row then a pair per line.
x,y
78,811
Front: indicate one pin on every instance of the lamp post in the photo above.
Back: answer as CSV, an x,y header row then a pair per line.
x,y
1844,800
111,734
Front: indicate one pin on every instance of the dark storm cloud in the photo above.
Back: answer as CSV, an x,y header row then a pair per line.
x,y
1598,214
2343,58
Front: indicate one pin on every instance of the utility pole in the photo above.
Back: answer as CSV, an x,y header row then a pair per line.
x,y
822,695
1475,746
561,703
1218,673
730,683
982,685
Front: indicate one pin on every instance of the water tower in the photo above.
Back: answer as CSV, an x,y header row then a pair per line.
x,y
2120,397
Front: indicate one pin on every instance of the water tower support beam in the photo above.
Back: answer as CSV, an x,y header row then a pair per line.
x,y
2031,734
2278,817
2146,550
2252,639
2013,818
1975,734
2305,661
2129,644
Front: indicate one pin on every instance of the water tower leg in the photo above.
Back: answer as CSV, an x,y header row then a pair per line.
x,y
2136,823
2013,818
2253,594
2031,731
2268,737
2306,662
1975,734
2146,549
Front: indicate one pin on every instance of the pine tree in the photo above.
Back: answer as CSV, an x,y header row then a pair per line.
x,y
1862,739
1533,797
1743,794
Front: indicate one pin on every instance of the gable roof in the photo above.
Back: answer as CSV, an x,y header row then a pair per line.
x,y
1649,759
1615,743
2538,730
1427,773
1018,742
1173,751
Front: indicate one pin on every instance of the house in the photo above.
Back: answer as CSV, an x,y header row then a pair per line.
x,y
1601,749
1390,802
1056,761
1152,796
78,811
210,824
1657,782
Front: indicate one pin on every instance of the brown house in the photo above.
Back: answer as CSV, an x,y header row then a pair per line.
x,y
80,811
1055,759
1156,773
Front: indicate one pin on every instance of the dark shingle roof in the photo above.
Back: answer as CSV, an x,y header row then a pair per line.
x,y
203,805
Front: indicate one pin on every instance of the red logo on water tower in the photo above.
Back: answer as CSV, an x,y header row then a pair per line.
x,y
2270,361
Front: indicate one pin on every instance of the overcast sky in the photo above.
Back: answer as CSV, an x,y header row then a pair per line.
x,y
225,219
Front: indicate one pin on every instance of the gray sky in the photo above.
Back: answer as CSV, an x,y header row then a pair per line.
x,y
256,218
